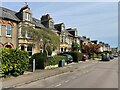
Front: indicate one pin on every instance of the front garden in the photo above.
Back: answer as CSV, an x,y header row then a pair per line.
x,y
15,62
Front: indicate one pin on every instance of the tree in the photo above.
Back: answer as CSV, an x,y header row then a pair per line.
x,y
44,38
75,46
90,49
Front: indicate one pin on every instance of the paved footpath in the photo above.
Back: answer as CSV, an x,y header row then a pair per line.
x,y
42,74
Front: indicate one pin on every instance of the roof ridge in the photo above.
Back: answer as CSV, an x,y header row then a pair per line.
x,y
8,9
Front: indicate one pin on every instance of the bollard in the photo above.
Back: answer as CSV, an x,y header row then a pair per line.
x,y
33,65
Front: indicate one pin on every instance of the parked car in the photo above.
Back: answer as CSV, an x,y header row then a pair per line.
x,y
84,57
111,56
69,58
105,58
115,55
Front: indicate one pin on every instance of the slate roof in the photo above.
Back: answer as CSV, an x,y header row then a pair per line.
x,y
72,31
84,39
58,26
9,14
37,22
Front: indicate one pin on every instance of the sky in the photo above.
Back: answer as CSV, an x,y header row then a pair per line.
x,y
96,20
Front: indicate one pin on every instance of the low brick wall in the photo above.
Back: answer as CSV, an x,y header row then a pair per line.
x,y
52,66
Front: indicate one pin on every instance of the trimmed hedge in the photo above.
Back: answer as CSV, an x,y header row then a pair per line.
x,y
14,61
77,56
40,59
54,60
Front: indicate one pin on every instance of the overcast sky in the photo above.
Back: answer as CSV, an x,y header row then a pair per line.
x,y
99,21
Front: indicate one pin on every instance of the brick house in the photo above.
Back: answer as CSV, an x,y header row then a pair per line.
x,y
12,34
8,28
66,38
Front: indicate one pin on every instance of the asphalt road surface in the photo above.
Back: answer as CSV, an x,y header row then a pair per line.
x,y
90,74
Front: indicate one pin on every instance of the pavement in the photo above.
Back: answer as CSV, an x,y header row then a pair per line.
x,y
39,75
92,74
29,77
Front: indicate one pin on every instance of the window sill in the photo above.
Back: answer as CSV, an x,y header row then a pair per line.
x,y
9,36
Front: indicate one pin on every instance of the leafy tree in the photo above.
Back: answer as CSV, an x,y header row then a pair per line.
x,y
44,38
90,49
75,46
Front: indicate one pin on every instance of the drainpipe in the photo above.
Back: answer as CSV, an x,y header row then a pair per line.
x,y
17,45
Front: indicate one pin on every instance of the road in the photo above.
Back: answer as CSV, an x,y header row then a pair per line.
x,y
90,74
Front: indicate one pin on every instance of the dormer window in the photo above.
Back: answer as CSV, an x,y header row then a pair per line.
x,y
63,28
27,17
51,24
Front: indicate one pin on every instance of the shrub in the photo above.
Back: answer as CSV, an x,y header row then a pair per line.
x,y
40,59
54,60
77,56
14,61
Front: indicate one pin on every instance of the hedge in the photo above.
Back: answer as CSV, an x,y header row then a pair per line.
x,y
14,62
54,60
40,59
77,56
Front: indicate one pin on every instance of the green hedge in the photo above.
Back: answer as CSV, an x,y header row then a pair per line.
x,y
54,60
77,56
14,61
40,59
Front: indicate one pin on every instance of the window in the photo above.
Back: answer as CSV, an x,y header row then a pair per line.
x,y
51,24
22,47
27,16
29,49
63,28
8,46
8,29
61,49
0,28
23,32
64,39
68,40
29,34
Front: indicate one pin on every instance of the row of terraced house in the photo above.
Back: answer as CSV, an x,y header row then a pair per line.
x,y
11,33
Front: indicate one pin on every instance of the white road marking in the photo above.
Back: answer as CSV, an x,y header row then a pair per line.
x,y
58,85
67,81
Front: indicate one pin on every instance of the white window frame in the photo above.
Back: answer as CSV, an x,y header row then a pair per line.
x,y
0,28
29,33
8,29
51,24
63,28
27,17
